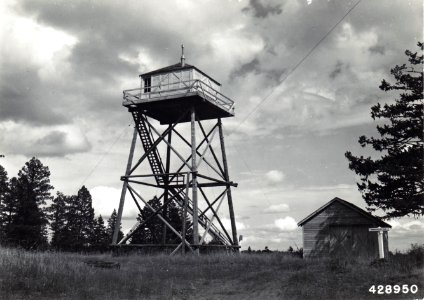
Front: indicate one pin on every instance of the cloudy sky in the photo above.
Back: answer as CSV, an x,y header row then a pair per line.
x,y
64,65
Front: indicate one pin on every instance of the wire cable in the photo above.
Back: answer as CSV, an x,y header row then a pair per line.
x,y
104,154
296,66
284,79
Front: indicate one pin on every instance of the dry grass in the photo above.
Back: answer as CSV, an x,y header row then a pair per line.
x,y
49,275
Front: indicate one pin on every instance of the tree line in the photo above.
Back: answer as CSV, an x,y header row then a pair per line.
x,y
31,218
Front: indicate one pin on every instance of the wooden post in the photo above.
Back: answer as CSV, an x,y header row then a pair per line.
x,y
380,231
194,181
229,196
184,214
167,167
124,190
380,244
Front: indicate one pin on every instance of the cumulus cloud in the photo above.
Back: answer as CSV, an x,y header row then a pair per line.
x,y
60,143
35,54
277,208
410,228
106,199
43,141
271,236
406,232
227,224
286,224
274,176
377,49
261,10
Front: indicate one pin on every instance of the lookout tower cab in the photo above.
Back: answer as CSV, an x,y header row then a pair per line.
x,y
165,93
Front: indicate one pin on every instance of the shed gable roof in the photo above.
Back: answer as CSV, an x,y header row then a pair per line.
x,y
349,205
177,67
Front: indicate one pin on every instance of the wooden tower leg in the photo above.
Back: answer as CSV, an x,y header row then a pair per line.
x,y
166,194
194,181
124,189
227,178
184,214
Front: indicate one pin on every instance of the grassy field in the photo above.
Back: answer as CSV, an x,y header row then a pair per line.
x,y
49,275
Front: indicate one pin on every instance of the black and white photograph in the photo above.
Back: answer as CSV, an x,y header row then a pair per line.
x,y
227,149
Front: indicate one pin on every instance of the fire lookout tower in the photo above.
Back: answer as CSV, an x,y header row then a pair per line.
x,y
187,176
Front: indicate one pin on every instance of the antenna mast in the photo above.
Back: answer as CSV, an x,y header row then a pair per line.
x,y
182,56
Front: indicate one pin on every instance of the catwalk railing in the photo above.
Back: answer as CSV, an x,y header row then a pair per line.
x,y
178,89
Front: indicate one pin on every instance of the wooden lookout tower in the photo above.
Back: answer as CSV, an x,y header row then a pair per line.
x,y
177,112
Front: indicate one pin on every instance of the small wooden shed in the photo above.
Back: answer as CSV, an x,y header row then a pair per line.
x,y
341,229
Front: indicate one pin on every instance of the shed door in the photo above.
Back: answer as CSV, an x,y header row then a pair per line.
x,y
341,241
350,241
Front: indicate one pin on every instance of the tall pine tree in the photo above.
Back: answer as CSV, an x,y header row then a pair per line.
x,y
395,182
111,227
31,190
9,206
59,222
100,239
80,218
152,231
4,193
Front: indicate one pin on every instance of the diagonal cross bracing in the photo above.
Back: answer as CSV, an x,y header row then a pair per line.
x,y
134,192
175,191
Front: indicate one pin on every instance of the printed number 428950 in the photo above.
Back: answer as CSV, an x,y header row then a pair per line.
x,y
393,289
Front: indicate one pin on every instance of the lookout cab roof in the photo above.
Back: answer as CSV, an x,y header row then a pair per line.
x,y
175,68
353,207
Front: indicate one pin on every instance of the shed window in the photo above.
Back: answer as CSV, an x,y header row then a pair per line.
x,y
147,84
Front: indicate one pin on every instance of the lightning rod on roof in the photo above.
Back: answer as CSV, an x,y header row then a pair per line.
x,y
182,56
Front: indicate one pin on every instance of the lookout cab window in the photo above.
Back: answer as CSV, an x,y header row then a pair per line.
x,y
147,84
